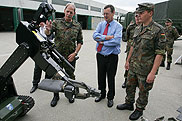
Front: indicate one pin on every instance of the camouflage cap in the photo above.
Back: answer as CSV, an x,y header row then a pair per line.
x,y
136,10
145,6
169,20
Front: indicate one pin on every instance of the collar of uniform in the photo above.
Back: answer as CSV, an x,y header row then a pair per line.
x,y
149,26
132,24
140,30
66,21
169,26
73,22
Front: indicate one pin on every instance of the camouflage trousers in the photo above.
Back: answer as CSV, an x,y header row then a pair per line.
x,y
135,80
126,71
169,49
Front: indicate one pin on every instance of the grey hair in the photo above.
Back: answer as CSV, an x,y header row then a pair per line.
x,y
72,4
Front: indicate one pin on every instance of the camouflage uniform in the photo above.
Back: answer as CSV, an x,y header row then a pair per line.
x,y
67,35
129,37
171,35
148,42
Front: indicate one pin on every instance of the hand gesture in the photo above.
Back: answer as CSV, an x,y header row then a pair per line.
x,y
48,25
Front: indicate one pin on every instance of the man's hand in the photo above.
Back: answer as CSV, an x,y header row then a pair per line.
x,y
127,65
151,75
48,25
109,37
71,57
150,78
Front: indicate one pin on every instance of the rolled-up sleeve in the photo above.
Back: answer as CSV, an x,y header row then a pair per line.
x,y
117,37
97,36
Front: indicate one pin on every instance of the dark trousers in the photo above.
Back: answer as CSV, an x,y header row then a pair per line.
x,y
37,75
107,65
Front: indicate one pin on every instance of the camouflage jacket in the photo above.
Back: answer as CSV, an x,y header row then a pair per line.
x,y
129,35
171,34
148,42
67,35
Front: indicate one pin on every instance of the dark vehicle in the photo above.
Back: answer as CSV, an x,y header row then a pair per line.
x,y
128,18
125,21
169,9
43,52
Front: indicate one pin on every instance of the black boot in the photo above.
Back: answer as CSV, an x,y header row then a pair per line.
x,y
168,66
33,88
125,106
55,99
124,84
162,64
136,114
98,99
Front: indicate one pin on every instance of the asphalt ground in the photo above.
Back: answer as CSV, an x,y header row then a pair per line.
x,y
165,97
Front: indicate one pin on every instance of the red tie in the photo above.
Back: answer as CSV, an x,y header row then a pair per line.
x,y
99,48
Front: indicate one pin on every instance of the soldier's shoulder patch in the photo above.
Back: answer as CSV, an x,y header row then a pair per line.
x,y
163,36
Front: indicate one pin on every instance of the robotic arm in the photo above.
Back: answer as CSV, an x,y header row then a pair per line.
x,y
33,45
44,11
64,84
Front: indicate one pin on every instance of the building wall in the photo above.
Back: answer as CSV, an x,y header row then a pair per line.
x,y
34,4
89,9
95,21
28,4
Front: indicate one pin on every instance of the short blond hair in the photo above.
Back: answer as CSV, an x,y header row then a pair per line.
x,y
72,4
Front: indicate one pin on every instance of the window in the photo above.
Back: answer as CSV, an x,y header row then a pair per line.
x,y
81,6
95,9
60,2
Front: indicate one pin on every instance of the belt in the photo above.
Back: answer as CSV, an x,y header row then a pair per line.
x,y
107,55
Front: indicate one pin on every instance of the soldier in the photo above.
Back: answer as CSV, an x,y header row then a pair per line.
x,y
68,32
143,60
129,38
171,35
